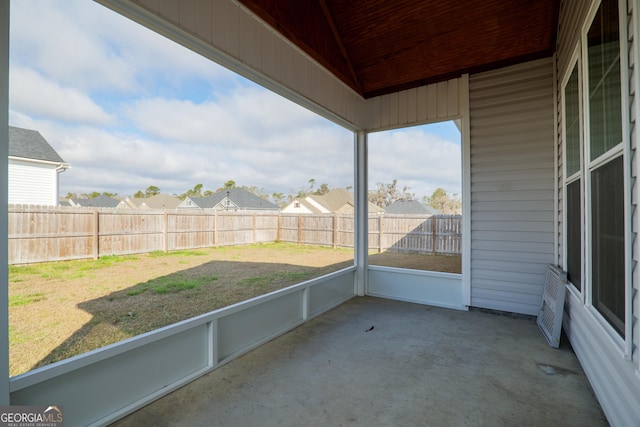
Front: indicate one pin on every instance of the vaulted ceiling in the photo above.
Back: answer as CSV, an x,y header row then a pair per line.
x,y
382,46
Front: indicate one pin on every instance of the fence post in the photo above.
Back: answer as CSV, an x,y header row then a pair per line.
x,y
215,227
278,235
380,234
165,232
253,226
434,231
299,229
335,230
96,235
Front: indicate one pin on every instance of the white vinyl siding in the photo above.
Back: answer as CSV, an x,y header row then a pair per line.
x,y
614,375
512,186
425,104
32,183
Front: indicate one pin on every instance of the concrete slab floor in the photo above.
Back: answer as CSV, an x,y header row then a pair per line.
x,y
419,365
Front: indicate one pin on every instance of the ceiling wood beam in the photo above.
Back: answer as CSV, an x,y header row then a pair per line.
x,y
338,39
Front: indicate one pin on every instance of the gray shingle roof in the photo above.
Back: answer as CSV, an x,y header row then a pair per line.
x,y
29,144
101,201
409,207
243,199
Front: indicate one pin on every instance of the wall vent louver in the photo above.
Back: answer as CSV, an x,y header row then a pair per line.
x,y
552,307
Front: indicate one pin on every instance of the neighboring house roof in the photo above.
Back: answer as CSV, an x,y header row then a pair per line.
x,y
410,207
159,201
101,201
333,201
29,144
238,198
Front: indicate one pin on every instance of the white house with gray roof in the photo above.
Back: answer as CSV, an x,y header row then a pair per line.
x,y
231,200
34,167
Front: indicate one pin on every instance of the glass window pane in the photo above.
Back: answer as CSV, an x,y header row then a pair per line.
x,y
603,50
572,122
574,233
608,281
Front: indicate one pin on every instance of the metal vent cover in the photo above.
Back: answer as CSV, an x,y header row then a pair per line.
x,y
552,307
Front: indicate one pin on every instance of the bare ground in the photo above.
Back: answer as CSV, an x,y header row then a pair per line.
x,y
67,308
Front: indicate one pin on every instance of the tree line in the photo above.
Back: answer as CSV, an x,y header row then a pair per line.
x,y
383,195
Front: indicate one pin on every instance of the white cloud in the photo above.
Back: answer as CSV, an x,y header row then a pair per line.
x,y
417,158
31,93
127,109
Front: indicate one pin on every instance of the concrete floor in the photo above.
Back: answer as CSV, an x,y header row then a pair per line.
x,y
419,365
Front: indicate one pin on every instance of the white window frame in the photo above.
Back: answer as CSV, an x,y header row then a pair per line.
x,y
625,345
574,63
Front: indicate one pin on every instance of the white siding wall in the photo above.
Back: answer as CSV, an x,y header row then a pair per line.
x,y
614,376
512,185
32,183
425,104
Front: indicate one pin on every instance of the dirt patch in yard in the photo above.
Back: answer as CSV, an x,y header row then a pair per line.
x,y
58,310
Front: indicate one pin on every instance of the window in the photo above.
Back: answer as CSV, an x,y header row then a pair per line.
x,y
594,184
573,160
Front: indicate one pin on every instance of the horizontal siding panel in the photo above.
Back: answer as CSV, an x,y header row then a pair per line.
x,y
524,175
32,183
612,376
502,299
543,216
541,248
507,145
499,140
508,256
538,195
498,111
510,236
535,184
513,226
512,206
510,266
497,274
512,306
506,151
512,181
525,289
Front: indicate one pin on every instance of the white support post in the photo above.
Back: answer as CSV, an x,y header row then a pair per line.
x,y
4,178
361,241
465,133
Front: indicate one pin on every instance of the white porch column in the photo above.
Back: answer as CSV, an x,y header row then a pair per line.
x,y
361,239
4,177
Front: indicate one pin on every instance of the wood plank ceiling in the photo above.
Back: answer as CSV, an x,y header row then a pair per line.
x,y
383,46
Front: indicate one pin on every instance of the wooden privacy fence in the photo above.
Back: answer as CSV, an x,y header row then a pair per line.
x,y
56,234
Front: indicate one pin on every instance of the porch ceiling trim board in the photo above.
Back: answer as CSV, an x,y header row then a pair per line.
x,y
227,33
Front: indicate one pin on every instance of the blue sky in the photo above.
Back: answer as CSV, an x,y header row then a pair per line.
x,y
128,108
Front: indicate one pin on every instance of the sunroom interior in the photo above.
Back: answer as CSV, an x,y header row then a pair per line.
x,y
490,66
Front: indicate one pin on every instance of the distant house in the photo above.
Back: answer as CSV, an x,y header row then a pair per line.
x,y
34,167
233,200
410,207
335,201
159,201
101,201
